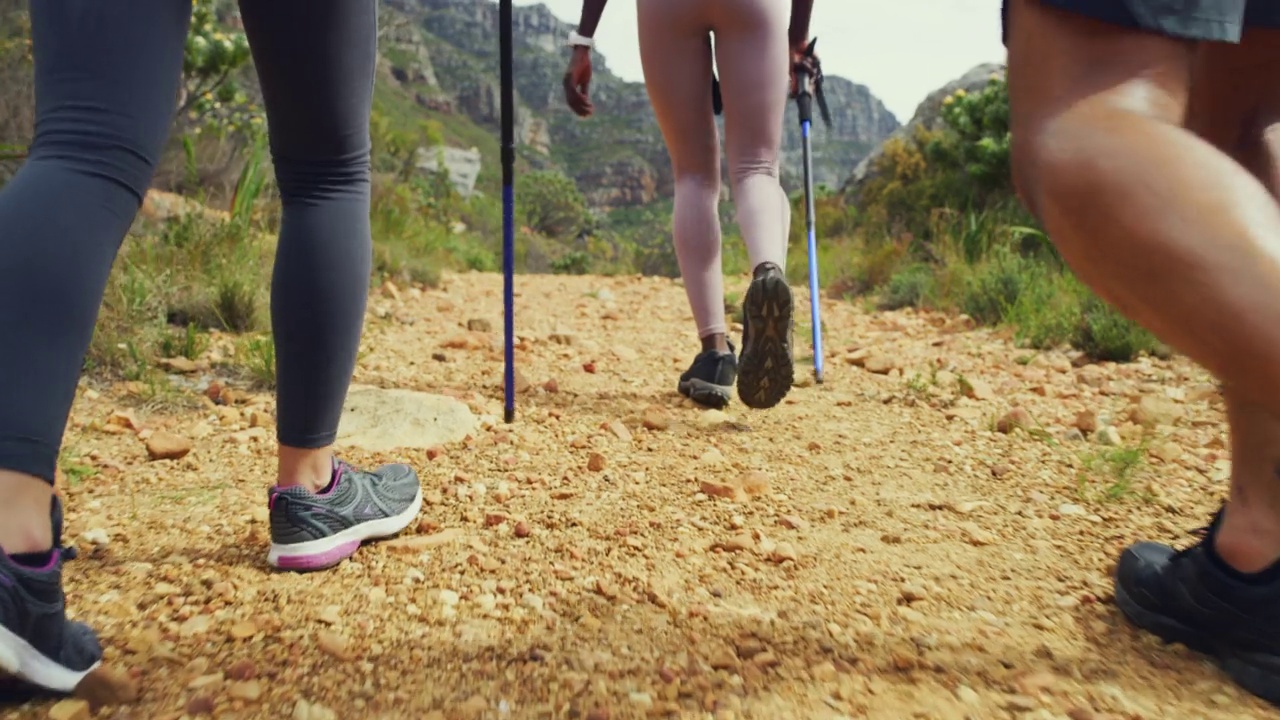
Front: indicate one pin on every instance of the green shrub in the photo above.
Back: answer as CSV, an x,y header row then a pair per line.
x,y
1105,334
908,287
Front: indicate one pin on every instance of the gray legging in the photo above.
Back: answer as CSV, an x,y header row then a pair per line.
x,y
107,76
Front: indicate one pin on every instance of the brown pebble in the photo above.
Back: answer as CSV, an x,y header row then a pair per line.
x,y
167,446
200,705
596,462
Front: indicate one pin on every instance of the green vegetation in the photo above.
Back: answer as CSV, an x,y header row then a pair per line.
x,y
938,226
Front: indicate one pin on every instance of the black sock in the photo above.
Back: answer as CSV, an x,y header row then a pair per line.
x,y
35,560
1264,576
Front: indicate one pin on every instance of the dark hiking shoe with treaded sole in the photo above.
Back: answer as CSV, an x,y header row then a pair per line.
x,y
313,531
1192,597
766,369
37,642
709,380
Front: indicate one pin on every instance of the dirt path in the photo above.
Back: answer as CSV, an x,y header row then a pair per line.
x,y
872,548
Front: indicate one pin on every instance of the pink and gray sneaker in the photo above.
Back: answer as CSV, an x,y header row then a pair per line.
x,y
317,530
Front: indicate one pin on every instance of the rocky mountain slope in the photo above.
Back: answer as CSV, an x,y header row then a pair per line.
x,y
928,115
444,55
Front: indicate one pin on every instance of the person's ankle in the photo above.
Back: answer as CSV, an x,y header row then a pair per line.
x,y
25,525
716,341
1247,540
311,468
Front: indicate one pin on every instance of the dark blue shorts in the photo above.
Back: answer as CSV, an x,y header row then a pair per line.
x,y
1205,20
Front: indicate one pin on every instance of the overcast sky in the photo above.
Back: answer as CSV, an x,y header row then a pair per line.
x,y
901,49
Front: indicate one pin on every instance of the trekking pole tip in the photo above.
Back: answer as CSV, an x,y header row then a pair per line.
x,y
509,415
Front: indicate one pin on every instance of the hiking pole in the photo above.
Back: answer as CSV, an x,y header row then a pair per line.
x,y
810,88
508,209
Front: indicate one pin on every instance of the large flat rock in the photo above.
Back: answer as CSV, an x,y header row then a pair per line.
x,y
378,420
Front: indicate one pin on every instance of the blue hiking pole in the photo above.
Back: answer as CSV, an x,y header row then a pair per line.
x,y
508,209
809,89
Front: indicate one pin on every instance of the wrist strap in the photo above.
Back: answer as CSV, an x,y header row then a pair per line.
x,y
576,40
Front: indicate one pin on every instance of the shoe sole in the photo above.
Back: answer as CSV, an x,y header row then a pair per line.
x,y
1259,673
766,369
20,659
705,393
329,551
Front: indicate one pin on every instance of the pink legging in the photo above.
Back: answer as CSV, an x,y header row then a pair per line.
x,y
752,60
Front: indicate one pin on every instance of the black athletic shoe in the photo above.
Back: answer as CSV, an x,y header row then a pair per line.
x,y
709,380
37,642
1194,598
767,367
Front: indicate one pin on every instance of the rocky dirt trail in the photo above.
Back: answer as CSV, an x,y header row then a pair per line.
x,y
929,534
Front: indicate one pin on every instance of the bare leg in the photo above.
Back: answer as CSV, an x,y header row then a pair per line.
x,y
1186,241
1235,104
1159,222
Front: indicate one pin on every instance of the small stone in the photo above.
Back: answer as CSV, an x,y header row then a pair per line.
x,y
824,672
1017,418
1086,422
784,552
330,615
596,462
655,418
204,681
180,365
792,522
521,530
167,446
1021,703
334,644
200,705
1168,451
479,325
1152,410
619,430
966,695
754,483
1108,436
195,625
242,670
738,543
879,364
70,709
724,659
244,630
913,593
978,389
721,490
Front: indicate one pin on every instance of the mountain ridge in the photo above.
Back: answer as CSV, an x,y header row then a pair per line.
x,y
447,59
